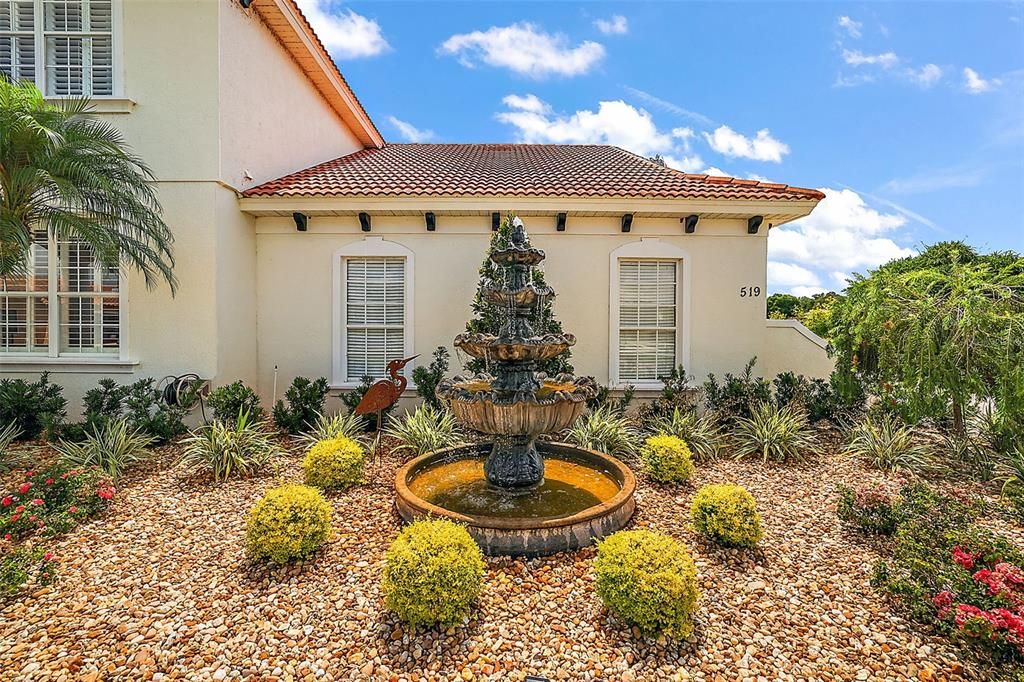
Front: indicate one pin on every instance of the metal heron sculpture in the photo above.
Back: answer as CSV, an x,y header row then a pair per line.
x,y
386,392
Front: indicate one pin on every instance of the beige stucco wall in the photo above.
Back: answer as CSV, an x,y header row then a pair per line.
x,y
212,95
295,289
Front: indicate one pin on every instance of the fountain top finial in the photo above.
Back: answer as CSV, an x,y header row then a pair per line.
x,y
518,232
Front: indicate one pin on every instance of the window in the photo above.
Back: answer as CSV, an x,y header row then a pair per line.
x,y
647,319
65,46
374,315
67,304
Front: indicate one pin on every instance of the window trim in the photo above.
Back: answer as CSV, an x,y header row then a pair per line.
x,y
53,354
369,247
648,248
121,105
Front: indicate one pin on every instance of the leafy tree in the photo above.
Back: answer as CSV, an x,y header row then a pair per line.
x,y
64,170
932,333
487,318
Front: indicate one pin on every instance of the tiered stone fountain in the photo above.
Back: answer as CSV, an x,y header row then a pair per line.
x,y
517,495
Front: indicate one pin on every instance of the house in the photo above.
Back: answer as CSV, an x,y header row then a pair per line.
x,y
308,245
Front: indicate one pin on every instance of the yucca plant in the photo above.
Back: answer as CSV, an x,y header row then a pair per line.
x,y
424,430
8,459
702,434
112,447
773,433
886,443
222,449
341,425
605,430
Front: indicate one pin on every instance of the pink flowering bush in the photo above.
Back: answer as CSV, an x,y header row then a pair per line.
x,y
948,571
870,507
53,501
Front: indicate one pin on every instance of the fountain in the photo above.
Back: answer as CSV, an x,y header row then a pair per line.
x,y
517,494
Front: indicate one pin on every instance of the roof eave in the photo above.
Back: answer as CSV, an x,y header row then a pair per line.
x,y
293,31
775,211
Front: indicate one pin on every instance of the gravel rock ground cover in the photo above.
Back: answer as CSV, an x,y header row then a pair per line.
x,y
160,589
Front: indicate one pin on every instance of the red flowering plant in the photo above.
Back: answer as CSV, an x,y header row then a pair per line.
x,y
948,571
53,501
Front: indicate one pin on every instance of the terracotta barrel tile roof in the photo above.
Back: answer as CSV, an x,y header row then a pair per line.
x,y
545,170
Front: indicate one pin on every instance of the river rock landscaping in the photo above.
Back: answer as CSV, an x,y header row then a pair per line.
x,y
160,588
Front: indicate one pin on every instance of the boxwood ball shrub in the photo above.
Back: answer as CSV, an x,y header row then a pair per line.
x,y
433,571
648,580
334,463
667,459
727,514
290,522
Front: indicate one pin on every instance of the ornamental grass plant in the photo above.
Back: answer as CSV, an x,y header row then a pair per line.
x,y
239,447
702,434
774,434
605,430
112,447
424,430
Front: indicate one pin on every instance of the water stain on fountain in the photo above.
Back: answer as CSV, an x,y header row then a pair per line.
x,y
515,495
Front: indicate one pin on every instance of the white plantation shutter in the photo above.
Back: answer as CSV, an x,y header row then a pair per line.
x,y
17,39
374,315
68,304
647,319
78,38
75,41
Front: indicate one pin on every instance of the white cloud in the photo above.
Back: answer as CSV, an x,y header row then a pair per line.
x,y
927,76
788,275
842,234
409,132
840,278
345,34
852,27
617,25
976,85
614,122
526,103
713,170
524,49
688,164
844,81
886,60
762,147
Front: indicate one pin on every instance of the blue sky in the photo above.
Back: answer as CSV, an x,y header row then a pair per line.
x,y
909,115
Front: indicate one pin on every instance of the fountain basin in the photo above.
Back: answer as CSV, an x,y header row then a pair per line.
x,y
585,495
483,414
537,348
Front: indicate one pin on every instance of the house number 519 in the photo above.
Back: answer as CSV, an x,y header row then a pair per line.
x,y
750,291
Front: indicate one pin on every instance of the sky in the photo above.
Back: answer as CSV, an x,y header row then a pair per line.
x,y
909,116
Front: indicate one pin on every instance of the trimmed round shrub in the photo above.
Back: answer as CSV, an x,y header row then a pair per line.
x,y
290,522
667,459
727,514
433,571
334,463
648,580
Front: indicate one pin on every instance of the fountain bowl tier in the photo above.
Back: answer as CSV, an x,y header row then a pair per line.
x,y
555,405
529,296
585,495
535,348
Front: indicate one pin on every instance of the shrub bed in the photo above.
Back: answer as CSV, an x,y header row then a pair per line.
x,y
433,572
290,522
871,508
667,459
648,580
727,514
948,571
334,463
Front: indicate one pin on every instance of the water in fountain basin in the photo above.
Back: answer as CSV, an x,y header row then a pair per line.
x,y
568,488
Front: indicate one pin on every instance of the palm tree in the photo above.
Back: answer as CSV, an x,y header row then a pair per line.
x,y
64,170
